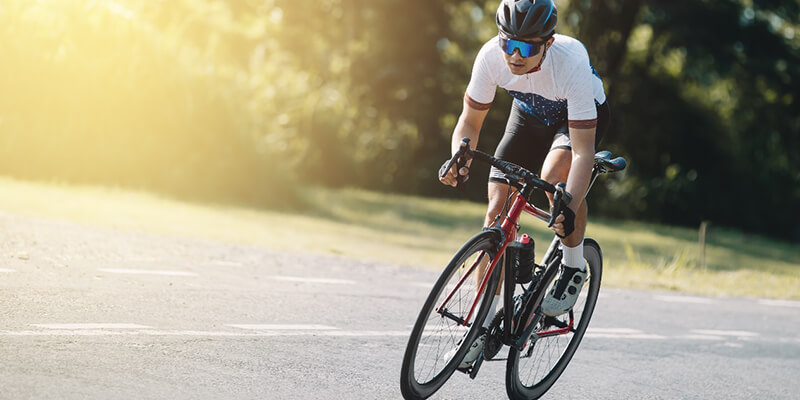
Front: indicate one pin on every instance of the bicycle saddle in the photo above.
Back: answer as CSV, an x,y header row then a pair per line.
x,y
603,161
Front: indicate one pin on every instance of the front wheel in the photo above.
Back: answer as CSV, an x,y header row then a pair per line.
x,y
531,372
444,329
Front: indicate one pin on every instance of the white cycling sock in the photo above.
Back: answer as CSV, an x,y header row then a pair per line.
x,y
573,256
492,310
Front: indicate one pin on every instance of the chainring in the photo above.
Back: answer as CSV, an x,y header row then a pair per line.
x,y
494,333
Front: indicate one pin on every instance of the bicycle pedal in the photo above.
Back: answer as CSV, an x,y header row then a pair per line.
x,y
466,370
475,367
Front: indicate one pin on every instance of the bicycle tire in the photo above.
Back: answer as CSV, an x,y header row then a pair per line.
x,y
537,382
415,381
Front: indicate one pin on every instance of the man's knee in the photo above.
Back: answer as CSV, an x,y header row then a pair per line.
x,y
555,175
494,208
497,197
556,166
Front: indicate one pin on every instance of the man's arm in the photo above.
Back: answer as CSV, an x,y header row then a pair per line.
x,y
469,125
580,172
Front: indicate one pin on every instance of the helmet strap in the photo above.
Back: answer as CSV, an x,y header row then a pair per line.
x,y
539,66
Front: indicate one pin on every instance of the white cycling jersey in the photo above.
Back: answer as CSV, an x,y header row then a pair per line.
x,y
566,86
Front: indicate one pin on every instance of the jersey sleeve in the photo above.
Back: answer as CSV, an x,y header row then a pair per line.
x,y
482,86
579,92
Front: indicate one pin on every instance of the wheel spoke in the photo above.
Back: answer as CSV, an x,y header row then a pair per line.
x,y
443,330
532,371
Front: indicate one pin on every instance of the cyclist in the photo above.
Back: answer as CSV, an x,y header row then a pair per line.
x,y
558,115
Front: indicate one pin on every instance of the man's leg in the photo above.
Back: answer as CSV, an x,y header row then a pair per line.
x,y
554,170
573,273
498,193
497,198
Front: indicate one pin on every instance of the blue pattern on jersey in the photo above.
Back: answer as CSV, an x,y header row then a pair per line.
x,y
548,111
590,64
594,71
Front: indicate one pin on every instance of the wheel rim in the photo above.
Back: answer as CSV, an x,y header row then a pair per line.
x,y
540,358
441,336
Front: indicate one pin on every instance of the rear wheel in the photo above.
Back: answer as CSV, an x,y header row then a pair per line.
x,y
440,338
531,372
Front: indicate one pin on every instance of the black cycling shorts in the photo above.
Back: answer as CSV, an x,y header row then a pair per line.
x,y
527,140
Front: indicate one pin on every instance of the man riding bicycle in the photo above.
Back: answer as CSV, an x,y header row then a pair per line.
x,y
558,115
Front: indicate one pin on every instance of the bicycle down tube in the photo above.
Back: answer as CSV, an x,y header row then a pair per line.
x,y
509,229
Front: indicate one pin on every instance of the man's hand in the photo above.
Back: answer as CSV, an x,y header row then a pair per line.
x,y
564,224
451,178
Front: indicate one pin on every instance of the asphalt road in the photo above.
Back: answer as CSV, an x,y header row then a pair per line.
x,y
92,313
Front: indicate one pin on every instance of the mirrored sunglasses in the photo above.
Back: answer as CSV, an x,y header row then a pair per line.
x,y
526,49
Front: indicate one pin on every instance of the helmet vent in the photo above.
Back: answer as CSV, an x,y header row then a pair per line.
x,y
537,14
520,21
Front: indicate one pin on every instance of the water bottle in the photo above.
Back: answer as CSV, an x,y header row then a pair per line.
x,y
525,259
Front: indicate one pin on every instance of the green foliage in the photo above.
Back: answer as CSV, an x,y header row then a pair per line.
x,y
237,100
122,93
718,131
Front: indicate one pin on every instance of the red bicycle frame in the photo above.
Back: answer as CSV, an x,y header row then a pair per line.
x,y
509,228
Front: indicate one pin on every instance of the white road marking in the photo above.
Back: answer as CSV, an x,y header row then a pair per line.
x,y
71,332
685,299
150,332
621,333
142,259
613,336
209,333
779,303
313,280
91,326
266,327
227,263
7,270
713,332
614,330
645,336
146,272
366,333
701,337
307,331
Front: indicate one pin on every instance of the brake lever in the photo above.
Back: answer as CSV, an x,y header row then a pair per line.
x,y
446,167
460,179
460,159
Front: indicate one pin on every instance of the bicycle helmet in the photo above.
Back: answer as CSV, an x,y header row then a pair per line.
x,y
526,19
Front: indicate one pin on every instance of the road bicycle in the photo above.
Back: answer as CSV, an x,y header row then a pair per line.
x,y
539,346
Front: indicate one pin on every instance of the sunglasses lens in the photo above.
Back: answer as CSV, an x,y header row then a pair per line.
x,y
525,49
505,47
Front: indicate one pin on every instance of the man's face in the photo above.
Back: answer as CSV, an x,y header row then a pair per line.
x,y
519,65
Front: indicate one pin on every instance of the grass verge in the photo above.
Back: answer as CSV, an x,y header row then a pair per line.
x,y
424,232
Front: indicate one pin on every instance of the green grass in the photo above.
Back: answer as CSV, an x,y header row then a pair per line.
x,y
424,232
